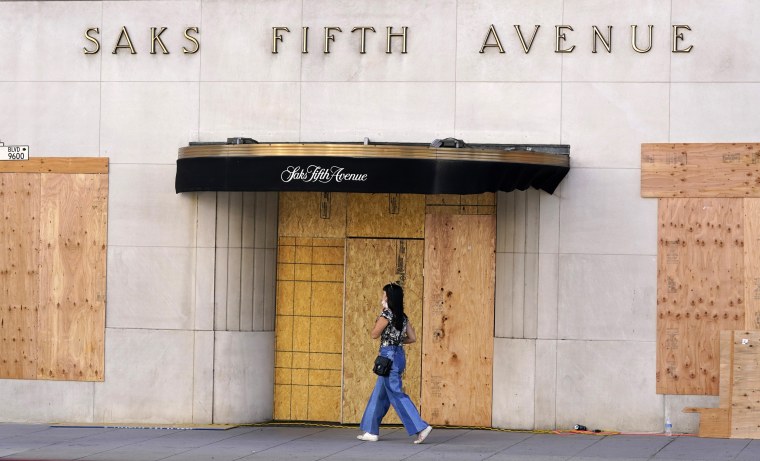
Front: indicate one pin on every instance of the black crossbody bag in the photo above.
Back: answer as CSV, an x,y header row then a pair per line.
x,y
382,366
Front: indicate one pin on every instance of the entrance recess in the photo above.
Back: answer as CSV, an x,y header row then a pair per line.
x,y
355,216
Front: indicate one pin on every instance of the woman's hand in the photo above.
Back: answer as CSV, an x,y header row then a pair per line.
x,y
411,336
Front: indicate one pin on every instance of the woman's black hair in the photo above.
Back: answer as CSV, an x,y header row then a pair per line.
x,y
395,295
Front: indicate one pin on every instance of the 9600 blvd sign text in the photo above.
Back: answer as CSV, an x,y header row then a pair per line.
x,y
14,152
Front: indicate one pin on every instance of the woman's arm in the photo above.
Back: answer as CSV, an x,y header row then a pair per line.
x,y
411,336
380,325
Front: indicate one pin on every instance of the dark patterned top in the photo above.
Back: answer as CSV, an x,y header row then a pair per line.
x,y
390,335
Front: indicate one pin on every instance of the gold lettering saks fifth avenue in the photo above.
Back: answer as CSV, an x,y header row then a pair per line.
x,y
124,41
399,38
562,39
329,36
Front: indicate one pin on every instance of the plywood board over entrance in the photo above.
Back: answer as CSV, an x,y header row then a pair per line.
x,y
370,265
458,319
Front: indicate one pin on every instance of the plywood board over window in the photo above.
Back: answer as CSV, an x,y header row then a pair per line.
x,y
54,215
700,289
708,253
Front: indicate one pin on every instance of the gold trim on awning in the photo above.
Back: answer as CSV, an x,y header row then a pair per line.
x,y
374,151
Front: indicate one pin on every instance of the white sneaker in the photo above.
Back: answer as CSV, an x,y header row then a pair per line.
x,y
367,437
423,434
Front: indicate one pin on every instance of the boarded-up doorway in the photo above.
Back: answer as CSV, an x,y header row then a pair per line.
x,y
457,334
384,237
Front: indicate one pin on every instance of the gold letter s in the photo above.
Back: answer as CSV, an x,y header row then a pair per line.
x,y
192,39
92,39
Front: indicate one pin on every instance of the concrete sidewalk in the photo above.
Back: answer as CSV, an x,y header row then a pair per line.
x,y
43,442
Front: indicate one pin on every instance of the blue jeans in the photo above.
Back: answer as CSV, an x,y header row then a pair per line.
x,y
388,391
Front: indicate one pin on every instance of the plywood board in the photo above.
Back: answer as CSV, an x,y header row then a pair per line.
x,y
752,263
713,422
484,204
458,319
700,170
738,415
745,392
70,165
700,290
386,215
726,368
73,287
311,214
371,264
308,328
19,273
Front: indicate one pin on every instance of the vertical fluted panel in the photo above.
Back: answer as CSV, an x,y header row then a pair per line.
x,y
244,280
517,254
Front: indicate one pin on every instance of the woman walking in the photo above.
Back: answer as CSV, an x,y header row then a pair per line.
x,y
394,330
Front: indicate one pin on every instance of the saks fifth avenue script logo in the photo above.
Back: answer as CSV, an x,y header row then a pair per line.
x,y
315,173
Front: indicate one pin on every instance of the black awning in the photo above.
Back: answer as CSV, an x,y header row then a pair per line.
x,y
395,168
